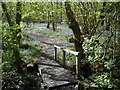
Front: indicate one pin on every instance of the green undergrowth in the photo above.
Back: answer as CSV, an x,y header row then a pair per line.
x,y
69,56
33,48
103,81
10,77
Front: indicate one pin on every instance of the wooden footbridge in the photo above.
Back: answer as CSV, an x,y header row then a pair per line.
x,y
54,76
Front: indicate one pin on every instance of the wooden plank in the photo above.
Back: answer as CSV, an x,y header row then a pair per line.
x,y
58,47
64,85
64,59
72,52
66,50
54,76
53,81
55,54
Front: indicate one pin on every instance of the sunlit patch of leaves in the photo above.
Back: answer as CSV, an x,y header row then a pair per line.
x,y
103,81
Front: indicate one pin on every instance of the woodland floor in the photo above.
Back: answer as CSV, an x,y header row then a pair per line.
x,y
48,38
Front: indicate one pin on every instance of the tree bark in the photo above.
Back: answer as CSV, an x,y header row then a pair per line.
x,y
53,17
18,21
73,24
48,17
53,26
16,53
4,7
61,12
102,11
48,25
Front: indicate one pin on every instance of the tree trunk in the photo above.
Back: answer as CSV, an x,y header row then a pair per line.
x,y
48,25
61,12
4,7
16,53
18,21
48,17
102,11
53,26
53,18
73,24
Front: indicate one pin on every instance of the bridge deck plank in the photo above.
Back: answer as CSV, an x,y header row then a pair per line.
x,y
54,75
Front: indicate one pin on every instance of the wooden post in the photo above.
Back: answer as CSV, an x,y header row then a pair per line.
x,y
64,59
78,61
55,53
78,66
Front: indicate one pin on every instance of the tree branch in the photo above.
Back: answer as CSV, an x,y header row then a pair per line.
x,y
4,7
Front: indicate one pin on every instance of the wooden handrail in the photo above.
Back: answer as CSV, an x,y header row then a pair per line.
x,y
67,50
57,47
64,58
71,52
